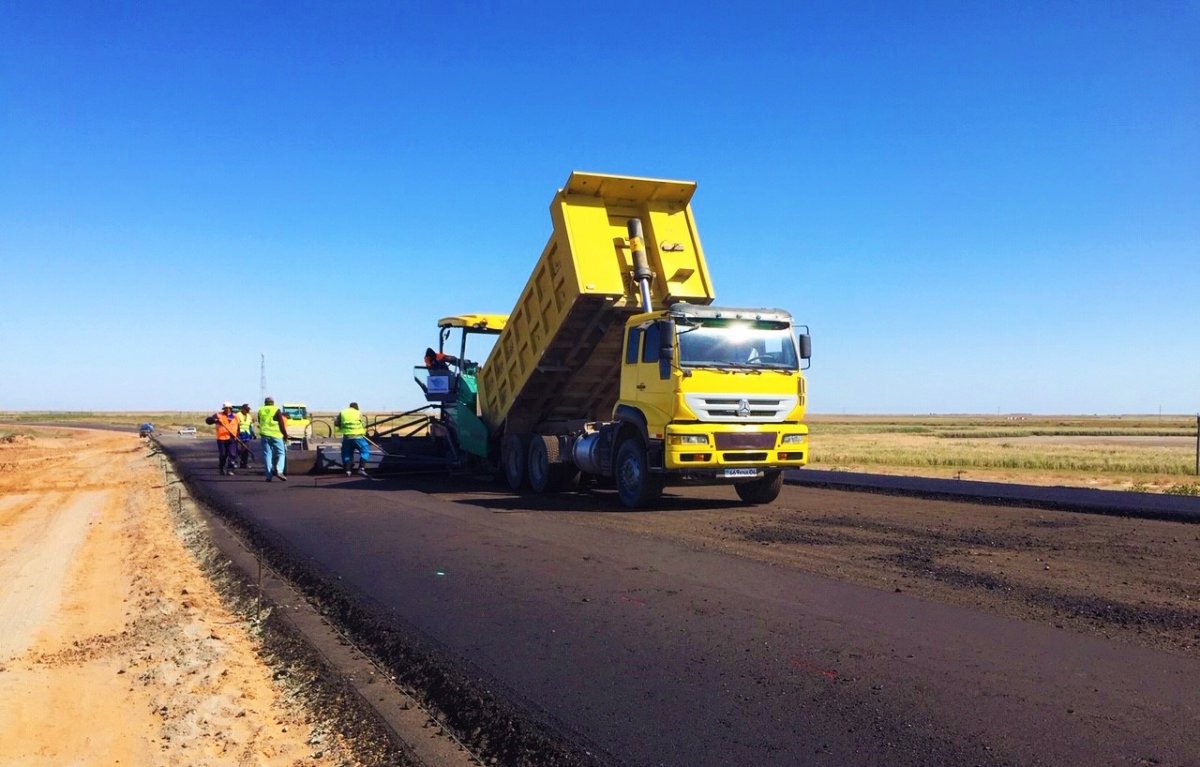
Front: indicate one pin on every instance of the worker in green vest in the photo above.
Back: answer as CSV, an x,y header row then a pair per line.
x,y
272,427
353,426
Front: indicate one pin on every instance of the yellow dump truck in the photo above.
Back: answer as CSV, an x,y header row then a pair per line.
x,y
615,365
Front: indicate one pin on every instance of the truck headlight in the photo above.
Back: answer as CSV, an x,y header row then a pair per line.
x,y
793,439
689,439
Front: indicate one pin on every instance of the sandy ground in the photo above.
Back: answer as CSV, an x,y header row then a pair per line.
x,y
114,647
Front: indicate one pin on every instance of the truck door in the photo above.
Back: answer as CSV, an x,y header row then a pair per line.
x,y
630,368
655,384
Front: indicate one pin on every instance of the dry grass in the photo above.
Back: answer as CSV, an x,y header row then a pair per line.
x,y
169,421
1132,452
1149,453
161,420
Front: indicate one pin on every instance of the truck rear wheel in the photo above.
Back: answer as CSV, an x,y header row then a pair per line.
x,y
513,456
762,490
635,484
545,471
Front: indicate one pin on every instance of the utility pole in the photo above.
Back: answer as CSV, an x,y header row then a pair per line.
x,y
1198,444
262,377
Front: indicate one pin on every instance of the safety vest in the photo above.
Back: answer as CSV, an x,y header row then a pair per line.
x,y
244,420
267,425
226,427
352,423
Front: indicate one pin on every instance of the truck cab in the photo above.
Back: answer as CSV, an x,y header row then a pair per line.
x,y
716,393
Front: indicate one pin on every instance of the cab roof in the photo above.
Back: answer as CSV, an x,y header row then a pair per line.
x,y
483,323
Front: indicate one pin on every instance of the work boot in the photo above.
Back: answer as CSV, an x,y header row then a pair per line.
x,y
269,479
281,478
362,471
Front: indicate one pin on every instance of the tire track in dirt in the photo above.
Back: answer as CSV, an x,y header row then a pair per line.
x,y
33,579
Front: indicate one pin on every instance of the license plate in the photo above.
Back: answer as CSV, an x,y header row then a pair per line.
x,y
741,472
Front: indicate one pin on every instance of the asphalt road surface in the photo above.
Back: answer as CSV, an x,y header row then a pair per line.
x,y
1082,499
643,650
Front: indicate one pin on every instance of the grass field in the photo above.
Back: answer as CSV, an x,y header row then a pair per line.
x,y
164,422
161,420
1146,453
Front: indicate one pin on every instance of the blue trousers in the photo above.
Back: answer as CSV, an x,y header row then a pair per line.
x,y
274,455
349,445
226,454
243,449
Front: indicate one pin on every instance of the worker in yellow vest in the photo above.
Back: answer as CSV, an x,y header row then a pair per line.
x,y
353,426
272,427
245,436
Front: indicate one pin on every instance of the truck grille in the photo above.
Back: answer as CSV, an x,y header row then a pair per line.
x,y
745,440
743,457
744,408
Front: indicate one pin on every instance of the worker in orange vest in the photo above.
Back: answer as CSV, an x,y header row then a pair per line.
x,y
226,423
438,361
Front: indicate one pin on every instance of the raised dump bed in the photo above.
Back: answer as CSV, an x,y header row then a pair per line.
x,y
558,359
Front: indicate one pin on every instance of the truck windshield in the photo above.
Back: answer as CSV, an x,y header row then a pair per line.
x,y
736,343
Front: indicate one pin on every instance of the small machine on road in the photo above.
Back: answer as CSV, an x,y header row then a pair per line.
x,y
299,424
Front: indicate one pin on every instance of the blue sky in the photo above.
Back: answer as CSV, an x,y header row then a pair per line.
x,y
977,207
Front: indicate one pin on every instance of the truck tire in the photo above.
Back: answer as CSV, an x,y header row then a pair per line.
x,y
543,467
762,490
513,455
636,486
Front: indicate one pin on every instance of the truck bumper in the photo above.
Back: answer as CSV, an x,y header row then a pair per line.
x,y
730,451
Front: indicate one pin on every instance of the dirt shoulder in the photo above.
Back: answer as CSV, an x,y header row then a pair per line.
x,y
114,646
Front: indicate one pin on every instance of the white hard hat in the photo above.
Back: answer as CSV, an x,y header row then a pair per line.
x,y
226,404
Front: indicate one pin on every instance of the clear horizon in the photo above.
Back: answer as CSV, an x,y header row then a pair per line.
x,y
865,414
977,208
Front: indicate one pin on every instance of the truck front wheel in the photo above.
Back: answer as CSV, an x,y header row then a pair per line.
x,y
635,484
762,490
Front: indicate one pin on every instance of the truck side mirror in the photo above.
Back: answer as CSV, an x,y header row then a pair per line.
x,y
805,346
666,339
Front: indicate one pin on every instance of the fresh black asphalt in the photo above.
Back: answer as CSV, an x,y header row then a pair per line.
x,y
640,651
1177,508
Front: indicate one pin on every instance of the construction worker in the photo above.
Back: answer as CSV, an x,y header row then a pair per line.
x,y
272,427
439,361
245,434
226,426
353,426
